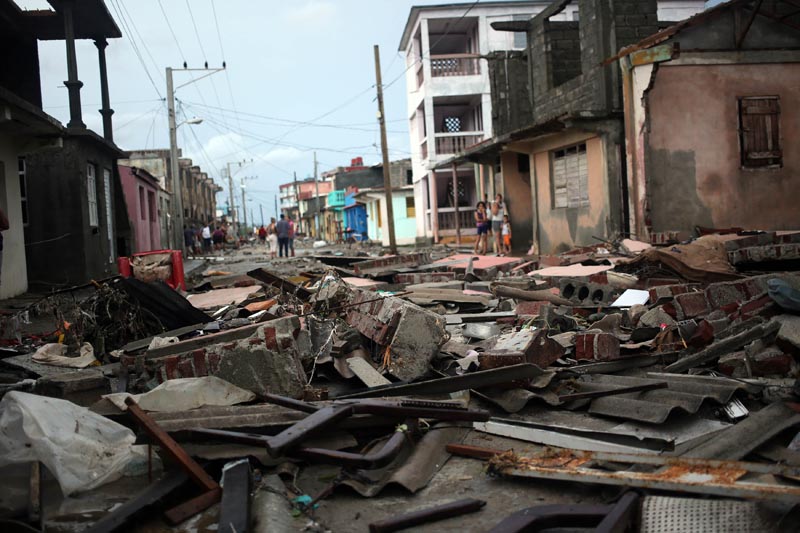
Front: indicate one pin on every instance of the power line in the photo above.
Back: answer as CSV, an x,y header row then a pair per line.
x,y
136,49
222,51
289,122
132,23
174,37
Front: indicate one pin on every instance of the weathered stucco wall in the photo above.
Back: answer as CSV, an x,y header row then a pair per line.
x,y
519,200
693,161
564,228
14,279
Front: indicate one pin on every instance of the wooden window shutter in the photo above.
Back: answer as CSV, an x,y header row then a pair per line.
x,y
760,132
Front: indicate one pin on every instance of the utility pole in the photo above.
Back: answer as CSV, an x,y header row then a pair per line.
x,y
244,207
297,197
261,208
177,202
316,185
387,175
277,213
232,210
174,167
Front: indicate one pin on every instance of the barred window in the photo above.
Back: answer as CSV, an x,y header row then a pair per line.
x,y
759,132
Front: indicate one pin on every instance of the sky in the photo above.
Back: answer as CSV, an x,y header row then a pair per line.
x,y
300,77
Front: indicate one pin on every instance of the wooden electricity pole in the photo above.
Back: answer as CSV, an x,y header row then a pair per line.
x,y
387,176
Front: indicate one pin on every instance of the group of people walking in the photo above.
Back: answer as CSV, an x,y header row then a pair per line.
x,y
495,222
279,236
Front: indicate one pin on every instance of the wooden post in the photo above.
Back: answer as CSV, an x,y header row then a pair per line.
x,y
455,204
387,179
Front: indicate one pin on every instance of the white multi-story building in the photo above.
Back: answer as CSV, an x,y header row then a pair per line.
x,y
449,97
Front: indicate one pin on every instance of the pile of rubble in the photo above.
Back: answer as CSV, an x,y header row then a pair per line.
x,y
663,379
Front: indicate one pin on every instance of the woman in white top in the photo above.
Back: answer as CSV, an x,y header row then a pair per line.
x,y
498,210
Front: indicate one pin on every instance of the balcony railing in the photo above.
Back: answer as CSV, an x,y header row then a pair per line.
x,y
453,143
447,219
455,65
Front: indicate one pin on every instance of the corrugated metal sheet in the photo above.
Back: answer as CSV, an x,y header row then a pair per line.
x,y
686,395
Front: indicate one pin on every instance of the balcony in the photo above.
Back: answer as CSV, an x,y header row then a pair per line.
x,y
454,143
423,148
455,65
447,220
336,199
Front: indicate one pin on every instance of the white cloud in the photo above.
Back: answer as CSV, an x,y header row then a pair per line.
x,y
313,12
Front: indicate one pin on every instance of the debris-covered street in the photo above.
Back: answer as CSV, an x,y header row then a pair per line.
x,y
341,389
325,266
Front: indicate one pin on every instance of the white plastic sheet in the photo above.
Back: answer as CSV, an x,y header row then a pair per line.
x,y
56,354
83,450
186,393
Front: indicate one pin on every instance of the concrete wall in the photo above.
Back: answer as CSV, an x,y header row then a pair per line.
x,y
62,248
693,161
565,228
519,200
405,227
146,232
14,275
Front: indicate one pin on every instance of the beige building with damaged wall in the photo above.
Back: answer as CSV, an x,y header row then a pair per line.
x,y
711,107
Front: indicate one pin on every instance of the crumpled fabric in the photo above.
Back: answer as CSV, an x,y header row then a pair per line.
x,y
55,354
82,449
186,393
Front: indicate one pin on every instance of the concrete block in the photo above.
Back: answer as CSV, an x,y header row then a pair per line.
x,y
524,346
769,362
655,317
789,334
691,305
596,347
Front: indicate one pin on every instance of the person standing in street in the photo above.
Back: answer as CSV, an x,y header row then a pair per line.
x,y
498,211
291,234
188,238
282,228
206,234
272,237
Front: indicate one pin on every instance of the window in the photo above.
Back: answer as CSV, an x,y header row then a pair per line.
x,y
570,177
411,211
23,189
452,124
409,177
142,209
109,214
151,203
759,132
91,188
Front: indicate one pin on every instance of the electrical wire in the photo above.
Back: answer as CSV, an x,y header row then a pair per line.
x,y
222,52
285,122
172,32
132,23
135,48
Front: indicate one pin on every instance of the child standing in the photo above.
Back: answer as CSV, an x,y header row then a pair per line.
x,y
506,233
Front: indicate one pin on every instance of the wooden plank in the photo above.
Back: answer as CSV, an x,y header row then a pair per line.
x,y
366,373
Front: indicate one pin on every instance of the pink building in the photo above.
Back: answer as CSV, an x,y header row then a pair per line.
x,y
141,194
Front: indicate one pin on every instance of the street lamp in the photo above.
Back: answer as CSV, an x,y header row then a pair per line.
x,y
177,202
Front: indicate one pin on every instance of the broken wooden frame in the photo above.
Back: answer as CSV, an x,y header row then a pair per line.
x,y
212,490
681,474
424,516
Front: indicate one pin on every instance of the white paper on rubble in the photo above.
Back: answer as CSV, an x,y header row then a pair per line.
x,y
82,449
55,354
631,297
186,393
158,342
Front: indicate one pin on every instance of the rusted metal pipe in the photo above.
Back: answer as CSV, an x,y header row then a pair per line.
x,y
424,516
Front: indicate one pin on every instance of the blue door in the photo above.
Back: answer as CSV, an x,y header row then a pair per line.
x,y
357,221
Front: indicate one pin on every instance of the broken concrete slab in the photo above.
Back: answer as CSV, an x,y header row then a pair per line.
x,y
269,360
789,333
525,346
410,335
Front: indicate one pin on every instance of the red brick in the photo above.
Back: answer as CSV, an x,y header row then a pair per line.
x,y
185,367
199,357
212,363
531,308
691,304
171,367
269,338
596,347
601,278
